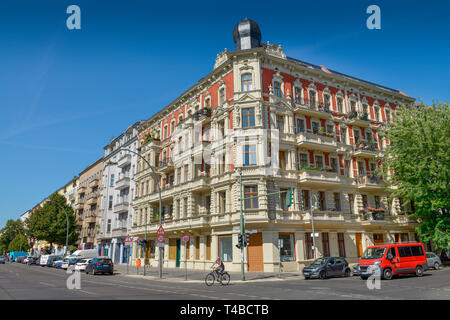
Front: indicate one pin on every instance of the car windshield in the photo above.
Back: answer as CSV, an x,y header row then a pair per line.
x,y
319,262
373,253
104,261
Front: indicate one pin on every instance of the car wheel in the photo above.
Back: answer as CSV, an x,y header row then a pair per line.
x,y
436,266
419,271
347,273
323,275
363,277
307,278
387,274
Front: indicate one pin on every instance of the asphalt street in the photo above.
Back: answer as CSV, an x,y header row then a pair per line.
x,y
19,281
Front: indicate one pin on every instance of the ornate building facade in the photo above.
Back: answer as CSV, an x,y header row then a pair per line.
x,y
283,124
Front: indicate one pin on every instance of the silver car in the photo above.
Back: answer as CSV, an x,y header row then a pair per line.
x,y
433,261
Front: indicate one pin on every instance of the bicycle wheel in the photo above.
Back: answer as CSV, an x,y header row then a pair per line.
x,y
225,279
209,280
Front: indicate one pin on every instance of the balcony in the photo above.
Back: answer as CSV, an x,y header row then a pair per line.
x,y
121,207
312,107
124,161
321,178
316,141
368,215
92,198
94,182
369,183
79,204
358,118
81,189
90,217
166,166
120,232
366,150
123,183
72,195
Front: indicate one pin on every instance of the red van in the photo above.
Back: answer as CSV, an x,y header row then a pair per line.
x,y
393,259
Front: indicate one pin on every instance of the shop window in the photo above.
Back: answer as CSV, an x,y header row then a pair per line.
x,y
287,247
225,248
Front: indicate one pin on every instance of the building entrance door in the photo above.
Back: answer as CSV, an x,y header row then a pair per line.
x,y
255,252
178,253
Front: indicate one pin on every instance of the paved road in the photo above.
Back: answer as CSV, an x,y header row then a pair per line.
x,y
18,281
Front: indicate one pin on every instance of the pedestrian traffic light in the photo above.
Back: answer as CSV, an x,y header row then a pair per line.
x,y
290,200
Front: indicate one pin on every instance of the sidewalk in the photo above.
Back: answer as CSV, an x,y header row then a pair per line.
x,y
198,276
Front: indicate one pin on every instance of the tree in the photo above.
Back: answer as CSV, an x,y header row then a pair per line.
x,y
12,229
49,222
419,163
19,243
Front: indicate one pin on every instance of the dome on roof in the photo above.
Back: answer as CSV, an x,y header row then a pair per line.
x,y
246,35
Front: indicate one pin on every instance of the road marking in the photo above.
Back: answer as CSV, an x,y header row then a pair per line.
x,y
47,284
88,292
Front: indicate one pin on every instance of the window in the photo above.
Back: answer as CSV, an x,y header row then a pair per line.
x,y
303,160
344,135
377,113
341,245
300,125
287,247
312,98
327,101
109,226
178,209
337,201
353,105
178,175
306,203
309,246
251,191
277,89
185,207
110,202
340,104
208,103
297,95
325,244
221,96
357,136
365,110
112,181
315,127
250,155
282,158
165,132
404,251
280,123
388,116
330,129
377,202
283,199
364,200
360,168
318,161
225,248
322,201
351,200
333,164
246,80
248,117
222,201
416,250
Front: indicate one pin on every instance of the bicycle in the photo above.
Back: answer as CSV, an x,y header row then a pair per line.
x,y
223,278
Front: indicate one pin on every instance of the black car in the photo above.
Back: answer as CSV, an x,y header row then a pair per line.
x,y
327,267
100,265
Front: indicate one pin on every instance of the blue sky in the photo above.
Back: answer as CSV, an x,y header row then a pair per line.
x,y
65,93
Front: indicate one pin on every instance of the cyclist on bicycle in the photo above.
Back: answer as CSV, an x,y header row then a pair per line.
x,y
220,266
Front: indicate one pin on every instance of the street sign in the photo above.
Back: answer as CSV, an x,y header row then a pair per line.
x,y
160,238
160,231
186,238
314,234
128,239
251,231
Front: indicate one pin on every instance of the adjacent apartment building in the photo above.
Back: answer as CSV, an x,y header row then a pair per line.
x,y
87,204
280,124
117,193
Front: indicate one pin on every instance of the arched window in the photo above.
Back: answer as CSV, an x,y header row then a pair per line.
x,y
246,81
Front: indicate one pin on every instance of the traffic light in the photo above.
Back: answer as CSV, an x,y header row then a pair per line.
x,y
240,241
245,240
290,200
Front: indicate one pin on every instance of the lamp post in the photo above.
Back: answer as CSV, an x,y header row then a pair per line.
x,y
160,207
313,206
67,219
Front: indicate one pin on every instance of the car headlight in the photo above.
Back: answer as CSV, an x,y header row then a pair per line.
x,y
376,263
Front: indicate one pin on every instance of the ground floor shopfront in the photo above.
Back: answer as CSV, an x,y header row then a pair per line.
x,y
116,249
267,248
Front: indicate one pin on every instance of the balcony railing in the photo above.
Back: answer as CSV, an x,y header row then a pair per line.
x,y
123,182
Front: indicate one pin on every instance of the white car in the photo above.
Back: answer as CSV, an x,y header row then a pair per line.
x,y
81,266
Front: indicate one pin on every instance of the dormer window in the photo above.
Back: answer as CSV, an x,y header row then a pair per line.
x,y
277,89
246,81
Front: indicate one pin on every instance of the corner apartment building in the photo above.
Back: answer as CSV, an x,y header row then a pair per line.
x,y
117,193
283,124
87,204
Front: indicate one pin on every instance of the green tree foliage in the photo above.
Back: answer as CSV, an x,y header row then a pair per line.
x,y
49,222
419,157
19,243
12,229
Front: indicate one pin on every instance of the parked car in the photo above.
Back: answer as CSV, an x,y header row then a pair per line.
x,y
355,270
20,259
58,262
32,260
68,261
52,259
433,261
100,265
82,264
393,259
85,254
327,267
2,260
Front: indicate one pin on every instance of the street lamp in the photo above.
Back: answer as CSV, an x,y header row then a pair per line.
x,y
67,219
160,207
313,206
